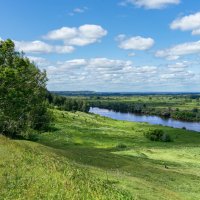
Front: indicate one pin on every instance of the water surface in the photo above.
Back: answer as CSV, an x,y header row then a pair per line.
x,y
194,126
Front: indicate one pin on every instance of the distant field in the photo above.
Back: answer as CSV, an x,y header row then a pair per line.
x,y
91,157
158,101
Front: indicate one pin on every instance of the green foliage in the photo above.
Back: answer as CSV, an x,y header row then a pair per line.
x,y
166,138
192,115
180,107
22,93
158,135
68,104
121,146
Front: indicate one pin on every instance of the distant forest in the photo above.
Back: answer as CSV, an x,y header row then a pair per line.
x,y
93,93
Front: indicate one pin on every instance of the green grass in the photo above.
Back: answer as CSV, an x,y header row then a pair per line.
x,y
32,171
91,157
182,102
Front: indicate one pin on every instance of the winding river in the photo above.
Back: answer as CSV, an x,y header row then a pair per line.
x,y
193,126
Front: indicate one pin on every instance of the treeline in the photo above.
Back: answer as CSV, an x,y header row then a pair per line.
x,y
148,109
193,115
120,106
67,103
23,105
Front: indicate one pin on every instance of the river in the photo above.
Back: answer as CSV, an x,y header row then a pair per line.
x,y
193,126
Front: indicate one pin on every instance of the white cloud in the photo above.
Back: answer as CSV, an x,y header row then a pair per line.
x,y
78,10
71,37
196,32
81,36
135,43
131,54
151,4
61,34
39,61
71,64
180,50
114,74
99,63
63,49
95,69
41,47
188,23
33,46
179,65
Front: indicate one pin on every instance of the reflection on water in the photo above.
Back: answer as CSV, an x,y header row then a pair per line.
x,y
194,126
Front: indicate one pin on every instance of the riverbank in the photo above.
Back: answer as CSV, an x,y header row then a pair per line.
x,y
155,120
178,107
94,157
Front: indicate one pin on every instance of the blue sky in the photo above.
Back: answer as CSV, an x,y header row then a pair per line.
x,y
109,45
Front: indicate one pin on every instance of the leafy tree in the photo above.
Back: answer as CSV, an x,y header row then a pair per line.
x,y
22,93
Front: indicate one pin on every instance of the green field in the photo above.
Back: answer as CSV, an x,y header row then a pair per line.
x,y
182,102
86,156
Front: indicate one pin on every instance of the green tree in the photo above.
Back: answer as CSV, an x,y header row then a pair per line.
x,y
22,93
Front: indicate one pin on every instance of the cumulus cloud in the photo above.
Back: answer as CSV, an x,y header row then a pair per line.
x,y
99,67
71,64
81,36
71,37
93,65
41,47
188,23
114,74
177,51
40,61
151,4
134,43
178,67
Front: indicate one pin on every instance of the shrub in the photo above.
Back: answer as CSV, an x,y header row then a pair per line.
x,y
166,138
158,135
121,146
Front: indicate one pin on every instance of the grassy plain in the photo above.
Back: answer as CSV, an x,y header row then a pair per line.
x,y
182,102
86,156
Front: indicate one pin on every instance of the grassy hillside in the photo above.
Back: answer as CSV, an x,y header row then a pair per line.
x,y
32,171
91,157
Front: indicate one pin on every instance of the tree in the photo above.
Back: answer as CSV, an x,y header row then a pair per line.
x,y
22,93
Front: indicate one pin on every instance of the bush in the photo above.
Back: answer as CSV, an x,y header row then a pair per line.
x,y
121,146
158,135
166,138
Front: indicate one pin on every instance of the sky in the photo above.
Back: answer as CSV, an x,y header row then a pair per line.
x,y
108,45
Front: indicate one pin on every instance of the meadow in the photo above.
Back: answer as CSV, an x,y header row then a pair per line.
x,y
86,156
